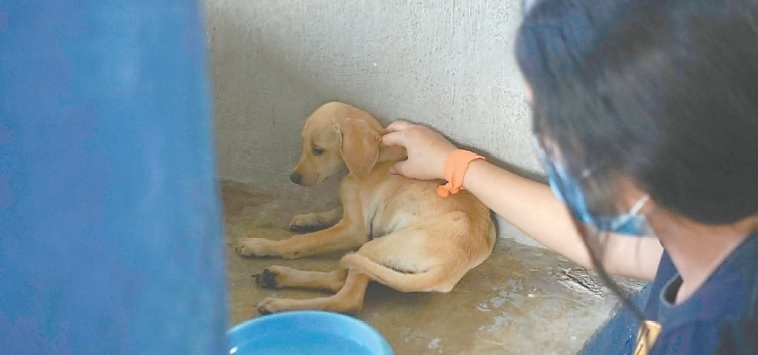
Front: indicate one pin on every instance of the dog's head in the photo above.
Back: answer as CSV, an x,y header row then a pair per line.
x,y
337,135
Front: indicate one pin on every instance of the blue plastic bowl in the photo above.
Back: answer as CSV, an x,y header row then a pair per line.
x,y
306,332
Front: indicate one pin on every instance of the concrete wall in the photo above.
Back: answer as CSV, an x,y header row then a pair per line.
x,y
448,64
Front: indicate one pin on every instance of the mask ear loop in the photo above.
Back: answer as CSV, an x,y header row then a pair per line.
x,y
638,206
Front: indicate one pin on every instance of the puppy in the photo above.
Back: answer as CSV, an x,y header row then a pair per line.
x,y
406,236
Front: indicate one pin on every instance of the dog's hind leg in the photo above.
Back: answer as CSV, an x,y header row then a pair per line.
x,y
347,300
286,277
310,222
429,257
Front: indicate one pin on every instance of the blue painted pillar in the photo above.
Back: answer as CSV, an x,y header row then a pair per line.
x,y
110,232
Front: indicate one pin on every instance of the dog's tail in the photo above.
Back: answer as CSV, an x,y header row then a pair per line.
x,y
434,279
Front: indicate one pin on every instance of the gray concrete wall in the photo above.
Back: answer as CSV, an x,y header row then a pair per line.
x,y
447,64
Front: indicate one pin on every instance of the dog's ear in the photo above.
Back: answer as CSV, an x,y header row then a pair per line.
x,y
360,146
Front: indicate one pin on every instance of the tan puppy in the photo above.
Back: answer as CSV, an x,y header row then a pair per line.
x,y
408,238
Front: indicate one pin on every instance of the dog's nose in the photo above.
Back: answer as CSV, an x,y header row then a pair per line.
x,y
296,178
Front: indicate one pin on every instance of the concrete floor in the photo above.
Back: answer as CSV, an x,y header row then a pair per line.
x,y
522,300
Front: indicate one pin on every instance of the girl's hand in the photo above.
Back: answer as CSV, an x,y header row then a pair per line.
x,y
427,150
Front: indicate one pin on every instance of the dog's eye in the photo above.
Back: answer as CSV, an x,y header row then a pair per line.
x,y
317,151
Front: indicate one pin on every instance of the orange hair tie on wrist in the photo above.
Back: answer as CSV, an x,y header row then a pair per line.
x,y
454,170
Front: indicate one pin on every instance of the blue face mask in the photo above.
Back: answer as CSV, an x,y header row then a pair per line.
x,y
569,191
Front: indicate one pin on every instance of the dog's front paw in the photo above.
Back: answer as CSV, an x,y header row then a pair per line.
x,y
255,247
306,223
273,305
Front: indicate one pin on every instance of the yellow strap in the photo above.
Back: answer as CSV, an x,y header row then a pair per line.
x,y
646,337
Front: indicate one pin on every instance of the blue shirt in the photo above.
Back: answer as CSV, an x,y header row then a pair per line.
x,y
726,297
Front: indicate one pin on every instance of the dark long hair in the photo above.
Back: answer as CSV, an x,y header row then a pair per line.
x,y
664,92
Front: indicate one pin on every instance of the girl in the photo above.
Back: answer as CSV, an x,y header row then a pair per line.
x,y
646,116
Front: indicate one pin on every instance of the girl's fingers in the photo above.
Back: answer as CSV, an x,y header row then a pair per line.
x,y
397,125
